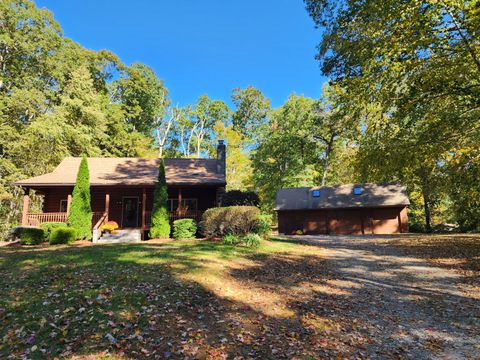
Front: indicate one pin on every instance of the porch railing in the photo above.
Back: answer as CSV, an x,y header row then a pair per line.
x,y
37,219
196,215
40,218
97,215
97,231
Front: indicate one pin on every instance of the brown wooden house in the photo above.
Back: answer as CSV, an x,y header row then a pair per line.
x,y
343,209
122,189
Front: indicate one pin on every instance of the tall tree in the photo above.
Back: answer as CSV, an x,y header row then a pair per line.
x,y
206,113
250,117
143,96
410,72
165,126
238,162
80,217
306,137
287,155
59,99
332,124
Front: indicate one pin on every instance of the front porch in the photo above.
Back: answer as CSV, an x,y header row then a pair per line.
x,y
130,207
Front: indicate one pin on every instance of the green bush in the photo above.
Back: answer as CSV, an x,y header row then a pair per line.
x,y
48,227
160,224
264,225
240,198
184,229
235,220
63,235
14,233
80,217
252,240
30,236
231,239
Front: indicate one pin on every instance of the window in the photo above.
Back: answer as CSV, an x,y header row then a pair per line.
x,y
187,204
316,193
63,205
357,190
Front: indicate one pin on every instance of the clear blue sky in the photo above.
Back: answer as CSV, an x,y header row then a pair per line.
x,y
204,46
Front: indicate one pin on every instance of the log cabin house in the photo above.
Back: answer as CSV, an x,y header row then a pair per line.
x,y
122,189
343,209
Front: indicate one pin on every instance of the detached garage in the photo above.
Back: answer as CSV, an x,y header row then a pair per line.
x,y
343,209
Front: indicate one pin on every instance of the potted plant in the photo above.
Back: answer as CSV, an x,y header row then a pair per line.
x,y
110,227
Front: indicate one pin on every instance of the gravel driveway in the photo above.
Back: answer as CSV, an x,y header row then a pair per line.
x,y
407,306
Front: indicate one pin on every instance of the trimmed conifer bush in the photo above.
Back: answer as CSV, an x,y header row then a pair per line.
x,y
62,235
160,225
184,229
80,217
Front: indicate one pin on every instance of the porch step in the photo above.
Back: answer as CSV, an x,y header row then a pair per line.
x,y
121,236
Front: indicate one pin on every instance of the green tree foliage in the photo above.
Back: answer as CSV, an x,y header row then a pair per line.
x,y
80,217
464,189
243,132
58,99
160,224
143,97
194,130
250,117
239,164
303,142
207,113
410,72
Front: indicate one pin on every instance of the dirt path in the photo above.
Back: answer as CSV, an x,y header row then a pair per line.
x,y
406,304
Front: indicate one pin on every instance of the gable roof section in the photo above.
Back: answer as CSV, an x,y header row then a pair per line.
x,y
341,197
131,171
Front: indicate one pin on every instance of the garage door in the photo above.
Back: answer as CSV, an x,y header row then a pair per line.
x,y
345,222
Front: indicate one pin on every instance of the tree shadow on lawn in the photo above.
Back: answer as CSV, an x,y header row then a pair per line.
x,y
152,300
132,301
403,296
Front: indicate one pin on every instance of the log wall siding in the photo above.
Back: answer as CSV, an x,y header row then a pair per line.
x,y
53,196
344,221
206,198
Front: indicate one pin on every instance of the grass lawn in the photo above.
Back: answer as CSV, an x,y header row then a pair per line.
x,y
193,299
202,299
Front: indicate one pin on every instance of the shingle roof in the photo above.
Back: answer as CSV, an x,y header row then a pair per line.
x,y
131,171
341,196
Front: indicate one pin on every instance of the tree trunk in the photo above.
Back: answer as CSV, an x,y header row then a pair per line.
x,y
428,214
328,152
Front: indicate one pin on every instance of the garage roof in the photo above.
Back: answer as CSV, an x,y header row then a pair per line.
x,y
341,196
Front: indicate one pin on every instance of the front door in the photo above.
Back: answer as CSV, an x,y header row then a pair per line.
x,y
130,212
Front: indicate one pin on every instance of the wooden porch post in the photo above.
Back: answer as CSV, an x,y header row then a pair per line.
x,y
107,204
179,206
26,203
69,202
144,206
